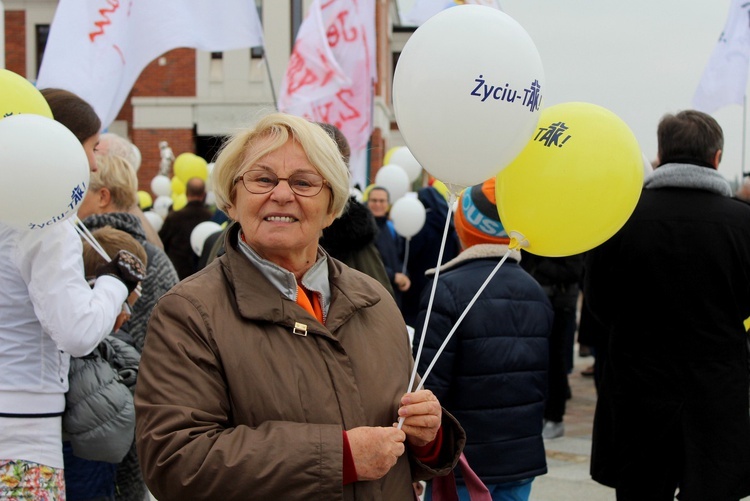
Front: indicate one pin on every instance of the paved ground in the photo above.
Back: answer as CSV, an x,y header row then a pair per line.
x,y
568,458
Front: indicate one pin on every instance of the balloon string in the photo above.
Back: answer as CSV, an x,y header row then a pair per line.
x,y
451,202
84,232
86,235
460,319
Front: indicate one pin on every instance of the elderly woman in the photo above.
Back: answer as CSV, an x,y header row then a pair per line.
x,y
277,372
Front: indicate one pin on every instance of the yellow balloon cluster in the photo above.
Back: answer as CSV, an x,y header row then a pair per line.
x,y
188,165
574,185
18,95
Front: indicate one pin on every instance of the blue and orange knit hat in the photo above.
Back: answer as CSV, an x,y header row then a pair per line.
x,y
477,220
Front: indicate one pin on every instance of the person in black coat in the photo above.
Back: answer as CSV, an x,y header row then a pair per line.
x,y
492,375
424,249
178,226
672,287
391,246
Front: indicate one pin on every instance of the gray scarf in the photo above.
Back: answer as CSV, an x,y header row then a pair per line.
x,y
688,176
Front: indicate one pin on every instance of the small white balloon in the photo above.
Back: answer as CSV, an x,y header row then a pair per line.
x,y
161,186
357,194
408,215
200,233
210,198
45,172
162,203
154,219
393,178
403,157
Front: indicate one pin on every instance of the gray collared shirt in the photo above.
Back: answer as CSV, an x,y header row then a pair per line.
x,y
314,280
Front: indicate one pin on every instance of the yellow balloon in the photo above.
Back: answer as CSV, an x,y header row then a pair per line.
x,y
442,189
18,95
178,201
144,199
574,184
188,165
366,192
178,186
389,154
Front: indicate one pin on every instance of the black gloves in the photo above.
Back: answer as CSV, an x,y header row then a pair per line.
x,y
126,267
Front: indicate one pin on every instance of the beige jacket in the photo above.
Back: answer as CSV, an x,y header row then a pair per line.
x,y
231,403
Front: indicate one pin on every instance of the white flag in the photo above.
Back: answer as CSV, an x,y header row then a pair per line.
x,y
98,48
724,79
330,73
422,10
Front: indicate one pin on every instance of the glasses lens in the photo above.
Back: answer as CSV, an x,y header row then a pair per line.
x,y
306,184
259,181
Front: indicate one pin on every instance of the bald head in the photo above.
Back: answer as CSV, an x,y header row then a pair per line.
x,y
195,189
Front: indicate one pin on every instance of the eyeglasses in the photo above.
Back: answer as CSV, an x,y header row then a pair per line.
x,y
304,184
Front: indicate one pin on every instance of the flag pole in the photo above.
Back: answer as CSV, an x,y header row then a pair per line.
x,y
744,134
270,79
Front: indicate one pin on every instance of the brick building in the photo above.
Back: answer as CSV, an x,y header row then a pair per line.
x,y
192,99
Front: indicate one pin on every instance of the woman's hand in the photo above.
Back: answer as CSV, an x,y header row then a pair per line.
x,y
422,417
375,450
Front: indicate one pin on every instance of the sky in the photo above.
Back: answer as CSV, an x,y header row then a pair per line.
x,y
639,59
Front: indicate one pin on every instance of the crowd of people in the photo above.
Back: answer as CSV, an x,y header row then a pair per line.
x,y
277,363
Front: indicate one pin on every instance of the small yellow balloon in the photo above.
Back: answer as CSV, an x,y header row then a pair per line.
x,y
366,192
574,184
18,95
188,165
178,186
144,200
441,188
389,154
179,201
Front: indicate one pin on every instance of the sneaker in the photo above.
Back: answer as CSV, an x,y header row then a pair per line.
x,y
553,429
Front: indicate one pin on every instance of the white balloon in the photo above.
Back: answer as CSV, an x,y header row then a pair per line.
x,y
393,178
154,219
162,203
45,172
161,186
200,233
467,91
210,198
408,215
403,157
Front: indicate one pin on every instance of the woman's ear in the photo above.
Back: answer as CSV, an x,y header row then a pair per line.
x,y
105,198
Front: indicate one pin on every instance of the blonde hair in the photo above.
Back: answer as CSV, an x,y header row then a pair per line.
x,y
270,133
119,177
112,241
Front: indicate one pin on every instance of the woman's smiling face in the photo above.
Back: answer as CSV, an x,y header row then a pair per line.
x,y
281,226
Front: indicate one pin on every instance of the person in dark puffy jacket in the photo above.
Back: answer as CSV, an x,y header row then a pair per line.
x,y
492,374
99,419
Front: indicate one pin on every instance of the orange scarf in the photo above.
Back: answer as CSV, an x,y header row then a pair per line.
x,y
310,303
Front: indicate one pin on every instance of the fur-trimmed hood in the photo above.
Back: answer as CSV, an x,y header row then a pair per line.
x,y
480,251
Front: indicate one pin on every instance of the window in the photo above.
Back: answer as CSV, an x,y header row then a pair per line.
x,y
42,33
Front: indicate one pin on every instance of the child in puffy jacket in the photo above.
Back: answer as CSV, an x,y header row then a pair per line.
x,y
99,419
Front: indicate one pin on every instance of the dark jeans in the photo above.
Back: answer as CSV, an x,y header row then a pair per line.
x,y
563,329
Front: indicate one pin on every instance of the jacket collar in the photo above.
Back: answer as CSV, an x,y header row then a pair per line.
x,y
479,251
688,176
259,300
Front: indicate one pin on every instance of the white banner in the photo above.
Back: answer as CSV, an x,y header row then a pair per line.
x,y
422,10
331,71
98,48
724,79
